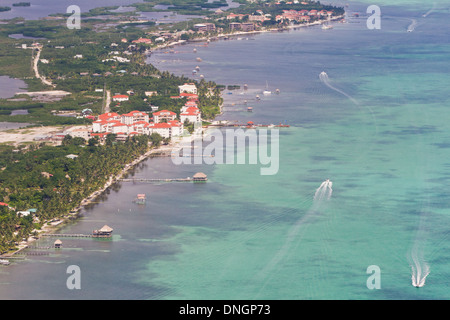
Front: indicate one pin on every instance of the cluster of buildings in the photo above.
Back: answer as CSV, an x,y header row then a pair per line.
x,y
302,15
136,123
163,122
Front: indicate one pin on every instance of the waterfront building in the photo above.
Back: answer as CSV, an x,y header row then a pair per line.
x,y
205,26
188,88
247,26
200,177
104,232
142,40
164,129
235,26
57,244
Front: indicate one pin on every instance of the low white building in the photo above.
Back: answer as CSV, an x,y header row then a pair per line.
x,y
121,97
188,88
80,133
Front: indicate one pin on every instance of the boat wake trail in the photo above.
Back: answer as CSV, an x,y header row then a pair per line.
x,y
322,194
324,191
430,11
324,78
412,26
419,268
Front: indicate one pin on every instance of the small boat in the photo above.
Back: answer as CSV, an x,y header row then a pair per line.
x,y
257,97
4,262
195,50
140,199
326,27
267,91
199,59
245,86
277,91
250,109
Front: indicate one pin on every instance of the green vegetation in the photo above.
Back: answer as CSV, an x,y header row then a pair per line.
x,y
81,61
96,69
42,177
2,9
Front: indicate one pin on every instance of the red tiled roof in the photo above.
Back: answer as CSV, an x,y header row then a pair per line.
x,y
161,125
106,116
164,111
119,124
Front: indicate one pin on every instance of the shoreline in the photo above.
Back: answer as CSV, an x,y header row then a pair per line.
x,y
74,214
48,227
222,36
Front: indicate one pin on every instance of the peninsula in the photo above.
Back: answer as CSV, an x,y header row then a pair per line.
x,y
97,78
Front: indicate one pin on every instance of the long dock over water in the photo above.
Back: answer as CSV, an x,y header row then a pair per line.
x,y
68,235
157,180
198,177
248,125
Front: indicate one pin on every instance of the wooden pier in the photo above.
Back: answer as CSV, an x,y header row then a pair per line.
x,y
248,125
68,235
199,176
157,180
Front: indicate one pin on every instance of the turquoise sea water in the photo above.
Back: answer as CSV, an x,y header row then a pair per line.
x,y
377,128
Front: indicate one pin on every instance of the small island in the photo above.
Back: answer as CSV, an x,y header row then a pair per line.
x,y
3,9
21,4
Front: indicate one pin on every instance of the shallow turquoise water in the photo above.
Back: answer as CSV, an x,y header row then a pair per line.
x,y
377,128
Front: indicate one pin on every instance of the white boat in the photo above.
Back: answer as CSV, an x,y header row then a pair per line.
x,y
267,91
4,262
326,27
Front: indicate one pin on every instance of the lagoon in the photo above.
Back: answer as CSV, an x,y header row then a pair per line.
x,y
9,87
